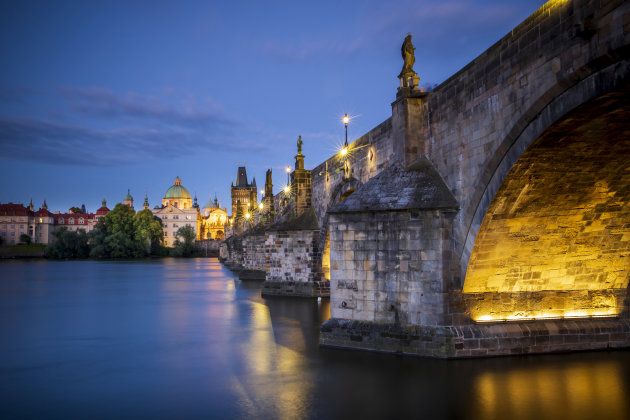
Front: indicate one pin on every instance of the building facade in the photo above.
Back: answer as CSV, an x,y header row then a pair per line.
x,y
178,211
16,219
214,219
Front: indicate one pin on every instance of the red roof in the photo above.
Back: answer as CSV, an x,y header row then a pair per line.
x,y
43,212
64,218
102,210
13,210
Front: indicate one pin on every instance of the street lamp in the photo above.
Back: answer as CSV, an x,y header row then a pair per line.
x,y
287,189
345,120
260,206
288,174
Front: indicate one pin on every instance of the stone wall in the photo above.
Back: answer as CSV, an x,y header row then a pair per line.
x,y
328,180
561,220
479,121
293,264
387,267
255,257
208,247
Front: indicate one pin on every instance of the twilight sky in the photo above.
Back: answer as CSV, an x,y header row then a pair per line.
x,y
99,97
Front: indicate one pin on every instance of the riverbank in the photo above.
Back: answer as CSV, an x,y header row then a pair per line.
x,y
22,251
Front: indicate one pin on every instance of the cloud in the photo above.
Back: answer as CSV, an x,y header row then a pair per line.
x,y
33,139
103,103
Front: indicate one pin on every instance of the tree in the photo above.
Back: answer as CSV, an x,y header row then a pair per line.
x,y
148,230
25,239
83,210
121,219
76,210
68,244
186,246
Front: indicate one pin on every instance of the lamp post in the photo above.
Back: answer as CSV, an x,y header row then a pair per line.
x,y
346,120
288,175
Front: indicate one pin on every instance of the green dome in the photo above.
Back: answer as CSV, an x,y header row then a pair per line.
x,y
177,191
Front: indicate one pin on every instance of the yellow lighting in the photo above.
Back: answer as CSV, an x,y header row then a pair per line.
x,y
262,192
247,215
287,189
288,169
344,151
346,119
260,206
544,316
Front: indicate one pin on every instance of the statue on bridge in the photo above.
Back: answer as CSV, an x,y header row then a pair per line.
x,y
408,77
299,145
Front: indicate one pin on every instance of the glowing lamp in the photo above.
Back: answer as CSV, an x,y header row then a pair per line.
x,y
344,151
287,189
288,169
247,215
346,119
262,192
260,206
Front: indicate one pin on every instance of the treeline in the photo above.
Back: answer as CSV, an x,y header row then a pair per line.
x,y
122,233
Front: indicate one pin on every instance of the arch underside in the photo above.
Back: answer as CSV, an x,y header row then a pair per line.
x,y
555,241
341,192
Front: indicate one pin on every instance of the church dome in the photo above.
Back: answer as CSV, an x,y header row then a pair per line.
x,y
177,191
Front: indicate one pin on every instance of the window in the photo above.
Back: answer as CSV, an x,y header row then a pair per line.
x,y
60,221
71,221
187,217
12,233
41,220
21,226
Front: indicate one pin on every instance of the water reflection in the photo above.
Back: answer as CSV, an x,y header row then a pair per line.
x,y
575,391
185,338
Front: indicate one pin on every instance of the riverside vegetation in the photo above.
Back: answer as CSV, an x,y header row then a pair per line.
x,y
122,233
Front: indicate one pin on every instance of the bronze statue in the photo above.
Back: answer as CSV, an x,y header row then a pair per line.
x,y
409,59
299,144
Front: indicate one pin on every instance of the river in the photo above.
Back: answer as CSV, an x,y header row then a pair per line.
x,y
184,338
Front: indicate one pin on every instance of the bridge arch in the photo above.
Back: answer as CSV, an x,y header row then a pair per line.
x,y
555,239
585,84
346,187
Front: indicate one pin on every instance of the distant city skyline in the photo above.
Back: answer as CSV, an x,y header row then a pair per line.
x,y
96,99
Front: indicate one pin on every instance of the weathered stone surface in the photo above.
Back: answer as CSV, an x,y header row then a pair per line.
x,y
396,188
478,340
296,289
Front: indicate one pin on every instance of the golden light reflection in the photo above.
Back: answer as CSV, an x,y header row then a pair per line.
x,y
276,373
594,390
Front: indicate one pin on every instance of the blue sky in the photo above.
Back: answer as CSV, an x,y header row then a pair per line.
x,y
99,97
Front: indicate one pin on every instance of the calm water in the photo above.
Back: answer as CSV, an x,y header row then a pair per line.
x,y
185,338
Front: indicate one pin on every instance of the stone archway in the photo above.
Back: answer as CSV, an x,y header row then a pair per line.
x,y
341,192
553,106
555,239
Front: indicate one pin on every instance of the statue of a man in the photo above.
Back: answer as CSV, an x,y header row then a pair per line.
x,y
299,144
409,59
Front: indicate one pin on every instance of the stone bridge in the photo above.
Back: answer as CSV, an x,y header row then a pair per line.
x,y
491,215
